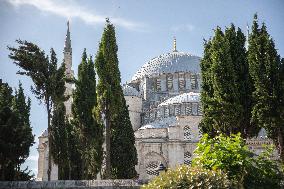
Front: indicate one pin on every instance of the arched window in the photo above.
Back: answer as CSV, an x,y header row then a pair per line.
x,y
194,108
158,84
177,110
188,109
193,81
167,113
170,81
181,81
199,109
187,133
187,158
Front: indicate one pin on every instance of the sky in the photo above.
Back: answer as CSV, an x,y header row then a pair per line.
x,y
144,29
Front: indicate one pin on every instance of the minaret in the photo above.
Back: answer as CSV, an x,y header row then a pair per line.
x,y
175,45
246,45
69,72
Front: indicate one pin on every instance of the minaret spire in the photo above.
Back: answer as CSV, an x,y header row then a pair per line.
x,y
247,39
68,70
67,47
175,45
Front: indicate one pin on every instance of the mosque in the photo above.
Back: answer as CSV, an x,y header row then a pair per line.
x,y
164,108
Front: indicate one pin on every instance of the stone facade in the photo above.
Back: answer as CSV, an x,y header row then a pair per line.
x,y
43,160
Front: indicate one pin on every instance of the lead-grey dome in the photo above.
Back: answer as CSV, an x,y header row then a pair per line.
x,y
169,63
130,91
182,98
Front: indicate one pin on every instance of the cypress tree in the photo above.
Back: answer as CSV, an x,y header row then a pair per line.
x,y
243,80
227,87
89,130
15,133
206,124
59,141
225,108
121,155
265,69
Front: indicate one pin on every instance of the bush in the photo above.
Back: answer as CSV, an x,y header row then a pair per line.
x,y
231,155
264,172
189,177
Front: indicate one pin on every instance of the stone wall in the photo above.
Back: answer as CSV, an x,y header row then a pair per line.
x,y
73,184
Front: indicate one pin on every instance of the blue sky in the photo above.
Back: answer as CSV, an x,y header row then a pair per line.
x,y
145,29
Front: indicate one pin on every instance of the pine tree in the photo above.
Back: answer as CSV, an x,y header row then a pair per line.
x,y
44,74
111,103
265,69
15,133
90,131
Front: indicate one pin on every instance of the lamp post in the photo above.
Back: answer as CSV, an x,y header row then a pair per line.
x,y
161,168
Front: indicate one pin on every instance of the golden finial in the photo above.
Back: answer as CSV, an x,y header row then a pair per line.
x,y
175,45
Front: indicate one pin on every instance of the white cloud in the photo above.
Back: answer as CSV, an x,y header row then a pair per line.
x,y
183,27
70,10
33,158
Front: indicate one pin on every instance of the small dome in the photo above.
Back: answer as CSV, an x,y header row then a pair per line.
x,y
164,123
130,91
169,63
183,98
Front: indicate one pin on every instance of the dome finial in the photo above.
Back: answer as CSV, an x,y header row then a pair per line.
x,y
175,45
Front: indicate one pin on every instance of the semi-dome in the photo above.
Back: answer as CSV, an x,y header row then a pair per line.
x,y
130,91
169,63
183,98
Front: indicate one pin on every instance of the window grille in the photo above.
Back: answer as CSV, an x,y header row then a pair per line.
x,y
187,133
187,158
152,168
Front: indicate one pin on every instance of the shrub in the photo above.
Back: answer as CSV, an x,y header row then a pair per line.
x,y
189,177
264,172
231,155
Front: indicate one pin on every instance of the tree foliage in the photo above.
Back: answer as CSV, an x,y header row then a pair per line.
x,y
266,71
90,131
120,149
226,87
47,78
16,136
59,145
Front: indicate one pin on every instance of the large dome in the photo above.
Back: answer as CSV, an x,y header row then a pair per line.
x,y
169,63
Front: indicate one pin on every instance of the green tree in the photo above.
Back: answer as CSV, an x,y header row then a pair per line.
x,y
44,74
123,151
15,133
111,103
243,81
90,130
60,141
265,70
224,108
227,87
